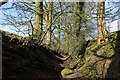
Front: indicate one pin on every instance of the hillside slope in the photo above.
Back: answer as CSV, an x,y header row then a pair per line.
x,y
31,62
100,61
38,62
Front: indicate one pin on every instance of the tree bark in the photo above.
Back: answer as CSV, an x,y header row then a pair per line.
x,y
80,6
37,32
102,32
67,41
49,22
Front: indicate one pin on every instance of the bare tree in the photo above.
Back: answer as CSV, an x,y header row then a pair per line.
x,y
2,2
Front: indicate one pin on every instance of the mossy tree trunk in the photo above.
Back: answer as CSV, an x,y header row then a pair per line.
x,y
78,10
79,13
67,41
49,22
102,32
37,32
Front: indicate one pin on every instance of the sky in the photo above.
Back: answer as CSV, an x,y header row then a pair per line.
x,y
6,28
113,26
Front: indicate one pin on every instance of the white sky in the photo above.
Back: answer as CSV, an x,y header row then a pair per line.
x,y
114,26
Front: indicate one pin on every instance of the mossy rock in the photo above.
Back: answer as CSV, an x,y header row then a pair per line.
x,y
66,71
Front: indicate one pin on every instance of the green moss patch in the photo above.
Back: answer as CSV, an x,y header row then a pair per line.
x,y
66,71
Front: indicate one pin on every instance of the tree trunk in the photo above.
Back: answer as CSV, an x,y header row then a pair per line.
x,y
102,32
80,6
37,32
49,22
67,41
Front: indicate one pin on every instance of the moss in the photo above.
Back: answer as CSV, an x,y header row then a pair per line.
x,y
66,71
109,54
100,60
108,51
